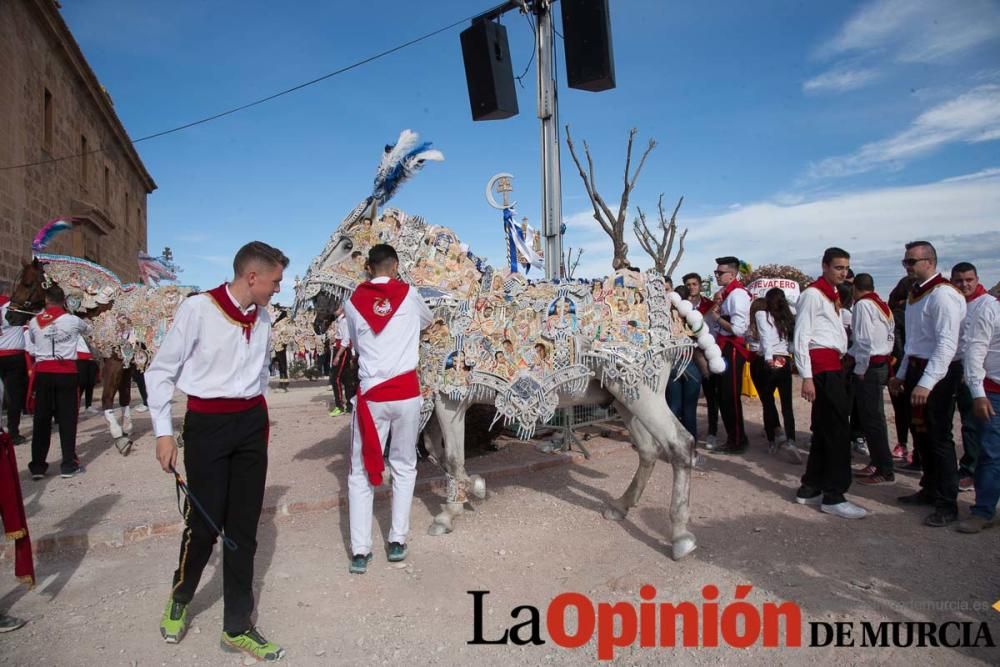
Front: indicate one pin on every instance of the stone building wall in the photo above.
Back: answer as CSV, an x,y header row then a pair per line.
x,y
53,108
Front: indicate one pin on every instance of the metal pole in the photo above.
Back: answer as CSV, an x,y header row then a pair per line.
x,y
548,113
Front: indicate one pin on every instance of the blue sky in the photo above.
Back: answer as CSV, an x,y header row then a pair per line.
x,y
786,126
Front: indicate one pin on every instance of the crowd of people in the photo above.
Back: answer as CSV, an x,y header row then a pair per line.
x,y
935,345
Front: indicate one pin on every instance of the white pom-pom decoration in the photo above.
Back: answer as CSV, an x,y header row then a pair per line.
x,y
695,319
713,352
717,365
684,308
705,340
674,297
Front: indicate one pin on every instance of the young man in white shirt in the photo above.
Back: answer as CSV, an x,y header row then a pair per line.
x,y
709,381
929,374
982,375
820,343
217,352
384,319
52,340
871,352
732,316
13,370
965,277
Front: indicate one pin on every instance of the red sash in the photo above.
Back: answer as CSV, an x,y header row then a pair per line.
x,y
827,290
398,388
920,291
224,406
11,353
65,366
738,342
225,303
378,302
15,524
991,387
824,360
882,305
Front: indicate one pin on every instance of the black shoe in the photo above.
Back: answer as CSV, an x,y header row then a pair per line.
x,y
397,552
911,467
66,474
359,563
941,518
918,498
18,439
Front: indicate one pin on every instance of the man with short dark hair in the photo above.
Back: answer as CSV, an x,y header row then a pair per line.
x,y
965,277
217,352
52,341
384,319
13,370
929,375
871,351
820,342
709,381
731,315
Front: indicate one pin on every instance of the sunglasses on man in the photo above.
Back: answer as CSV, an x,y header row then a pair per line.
x,y
912,261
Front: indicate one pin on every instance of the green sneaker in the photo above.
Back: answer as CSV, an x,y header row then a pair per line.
x,y
252,643
359,563
336,412
397,552
10,623
173,625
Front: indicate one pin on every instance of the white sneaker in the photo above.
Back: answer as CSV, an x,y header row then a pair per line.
x,y
142,408
711,441
845,510
94,410
860,447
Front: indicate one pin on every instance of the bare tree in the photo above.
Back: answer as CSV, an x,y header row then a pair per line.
x,y
569,267
612,224
659,245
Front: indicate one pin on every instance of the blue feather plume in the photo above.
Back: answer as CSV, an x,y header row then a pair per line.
x,y
49,231
400,162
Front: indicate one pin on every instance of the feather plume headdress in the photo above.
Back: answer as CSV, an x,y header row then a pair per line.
x,y
49,231
152,270
400,162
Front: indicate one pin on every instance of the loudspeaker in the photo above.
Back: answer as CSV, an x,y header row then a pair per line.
x,y
488,71
590,64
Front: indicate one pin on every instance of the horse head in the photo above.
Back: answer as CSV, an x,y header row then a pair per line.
x,y
28,294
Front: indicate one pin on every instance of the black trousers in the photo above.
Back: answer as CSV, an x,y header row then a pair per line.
x,y
282,358
225,457
902,414
140,383
730,386
933,438
56,396
86,371
766,380
828,468
710,386
14,375
869,405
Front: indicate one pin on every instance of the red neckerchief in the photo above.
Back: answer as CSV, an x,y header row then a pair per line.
x,y
225,303
4,300
883,306
920,291
49,315
827,290
704,305
378,302
980,291
728,289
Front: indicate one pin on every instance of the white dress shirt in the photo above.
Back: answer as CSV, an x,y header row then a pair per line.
x,y
771,342
57,341
817,325
736,308
343,336
874,333
971,308
205,355
933,324
395,349
11,337
982,349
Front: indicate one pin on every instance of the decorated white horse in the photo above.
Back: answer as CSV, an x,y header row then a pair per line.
x,y
527,348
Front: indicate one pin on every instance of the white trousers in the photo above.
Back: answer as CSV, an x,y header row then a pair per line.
x,y
401,419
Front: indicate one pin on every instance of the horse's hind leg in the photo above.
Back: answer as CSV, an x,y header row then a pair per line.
x,y
450,417
647,449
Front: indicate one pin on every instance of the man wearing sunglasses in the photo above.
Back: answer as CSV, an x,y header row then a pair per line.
x,y
928,377
731,315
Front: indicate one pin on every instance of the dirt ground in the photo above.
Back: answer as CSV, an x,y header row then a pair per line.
x,y
537,535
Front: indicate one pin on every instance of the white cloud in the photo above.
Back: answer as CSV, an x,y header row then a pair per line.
x,y
916,31
840,80
873,225
972,117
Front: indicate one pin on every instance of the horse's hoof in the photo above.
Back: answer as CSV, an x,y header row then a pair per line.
x,y
123,445
612,513
437,529
683,546
478,486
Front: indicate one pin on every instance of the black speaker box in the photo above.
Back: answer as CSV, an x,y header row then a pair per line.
x,y
488,71
590,64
